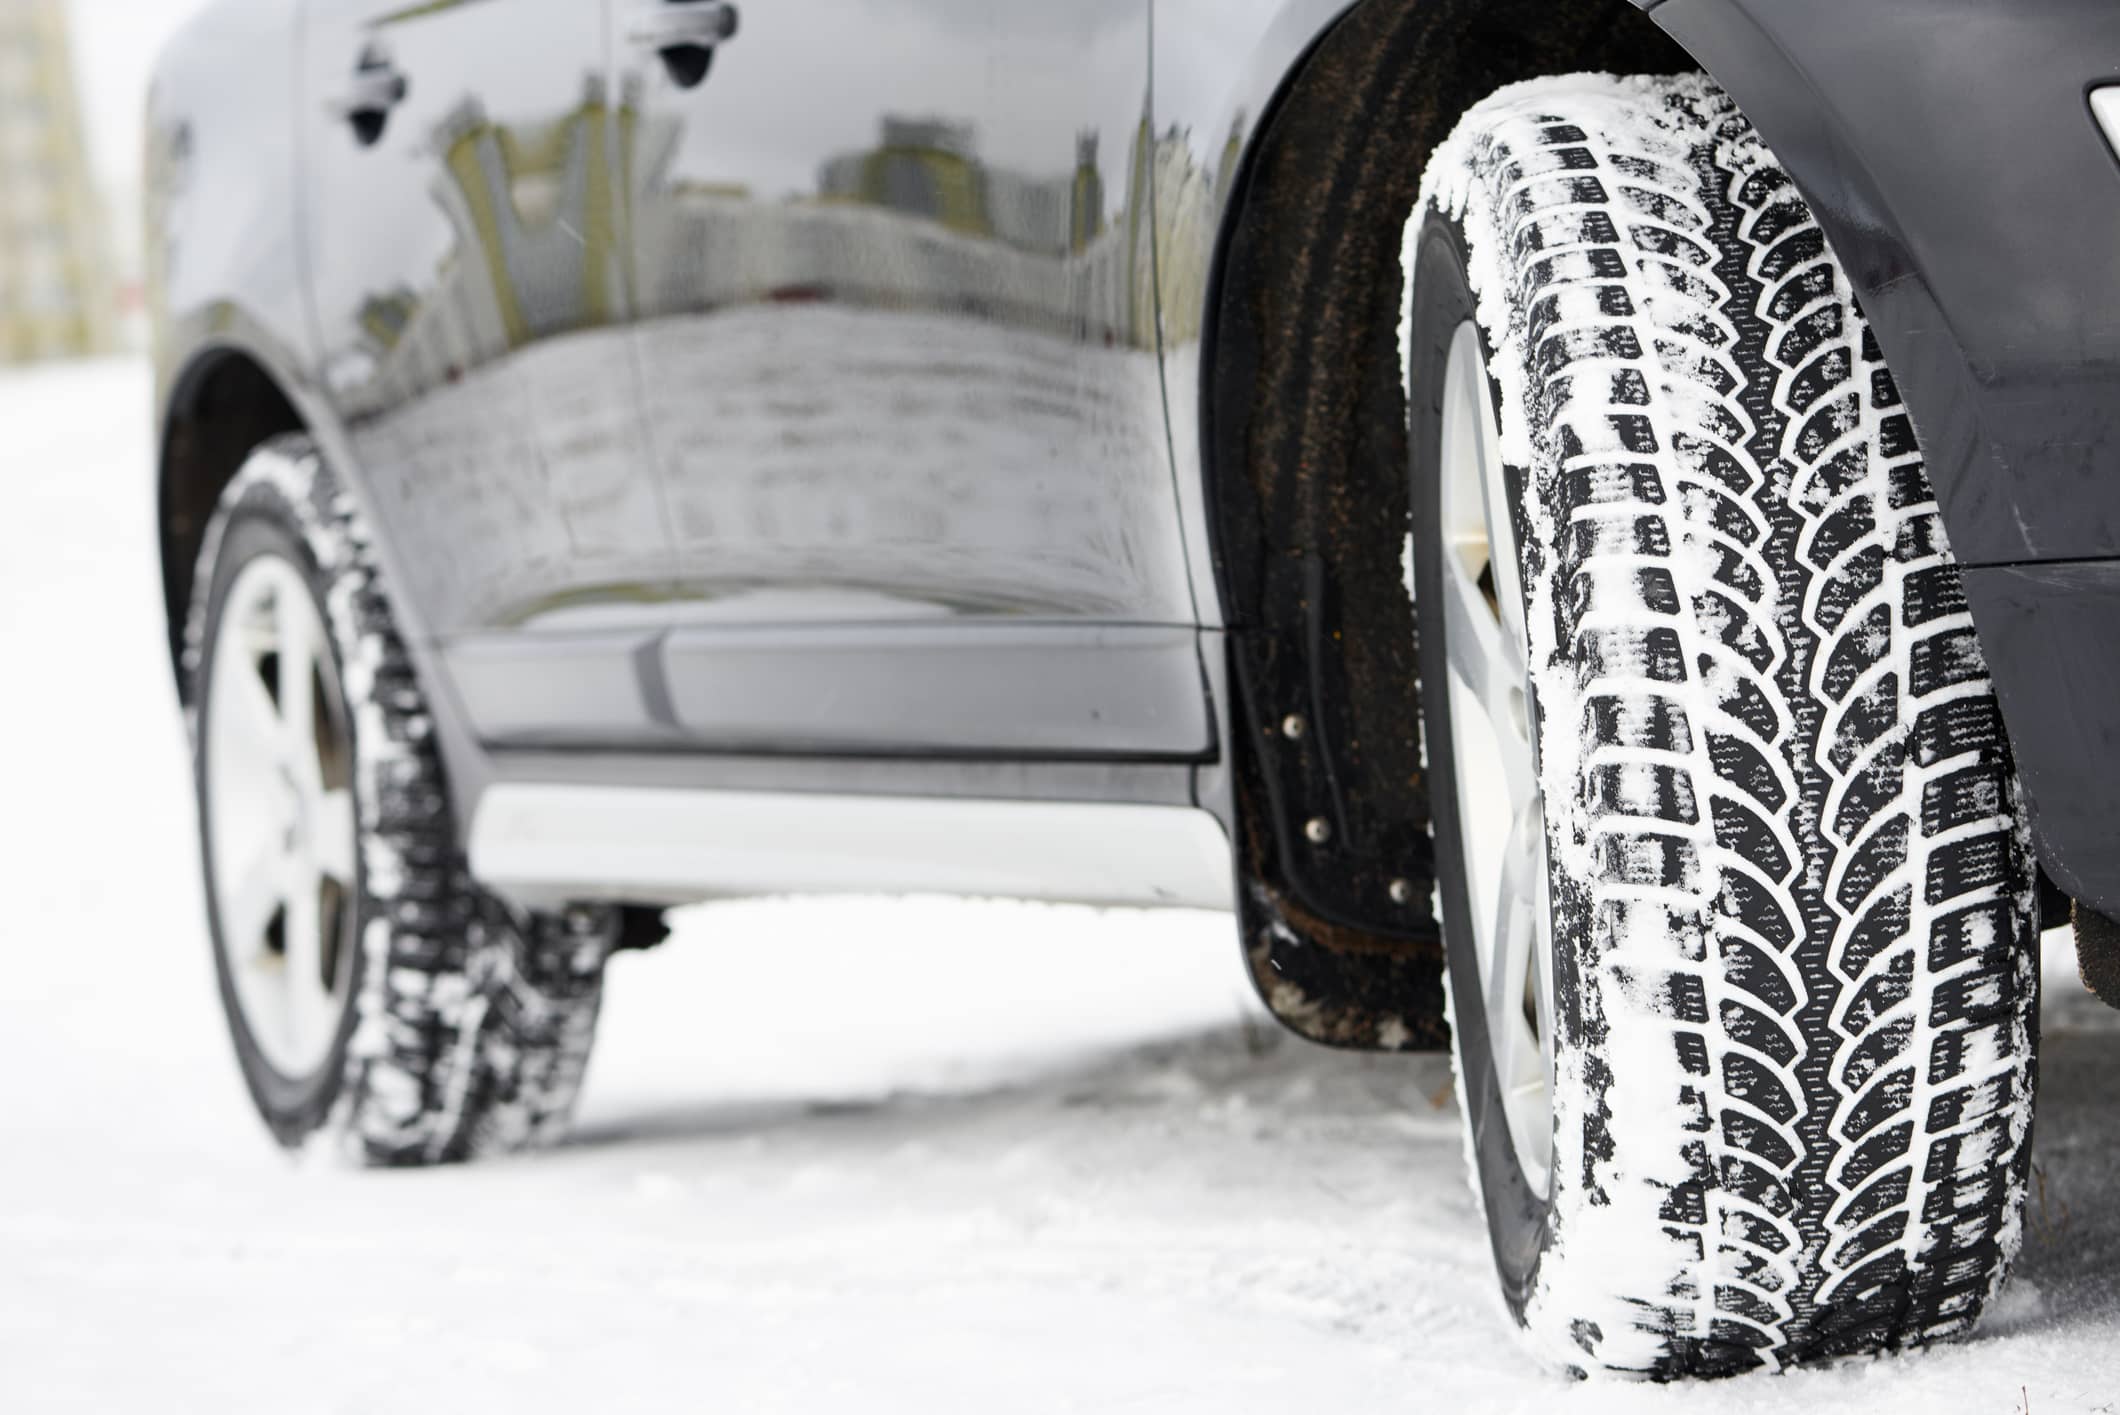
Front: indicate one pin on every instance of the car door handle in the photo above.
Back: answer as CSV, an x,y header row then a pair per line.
x,y
685,33
377,87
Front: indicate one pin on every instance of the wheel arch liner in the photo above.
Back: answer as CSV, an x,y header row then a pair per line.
x,y
1304,420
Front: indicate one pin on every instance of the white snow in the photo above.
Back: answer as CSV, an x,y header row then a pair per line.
x,y
849,1156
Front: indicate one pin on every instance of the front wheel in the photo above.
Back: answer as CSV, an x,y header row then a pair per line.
x,y
1737,898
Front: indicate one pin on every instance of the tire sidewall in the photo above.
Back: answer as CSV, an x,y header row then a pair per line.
x,y
259,522
1518,1217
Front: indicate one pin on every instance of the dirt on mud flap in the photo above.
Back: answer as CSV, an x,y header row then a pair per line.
x,y
2098,954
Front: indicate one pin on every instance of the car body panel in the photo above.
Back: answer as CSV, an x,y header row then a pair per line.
x,y
462,266
227,280
897,343
465,278
655,493
223,265
470,448
897,315
2052,637
549,844
1219,66
1002,689
1950,152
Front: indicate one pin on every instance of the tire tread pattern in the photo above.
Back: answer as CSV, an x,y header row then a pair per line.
x,y
1790,834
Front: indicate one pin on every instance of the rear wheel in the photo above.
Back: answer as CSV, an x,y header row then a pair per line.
x,y
1737,900
377,996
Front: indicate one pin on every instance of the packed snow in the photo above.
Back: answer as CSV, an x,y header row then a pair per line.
x,y
847,1155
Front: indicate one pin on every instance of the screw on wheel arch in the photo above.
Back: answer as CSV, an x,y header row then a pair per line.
x,y
378,998
1779,1003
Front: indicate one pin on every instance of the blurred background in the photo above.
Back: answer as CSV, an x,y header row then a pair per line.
x,y
73,82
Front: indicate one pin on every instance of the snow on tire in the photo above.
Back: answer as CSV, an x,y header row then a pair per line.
x,y
1794,967
466,1025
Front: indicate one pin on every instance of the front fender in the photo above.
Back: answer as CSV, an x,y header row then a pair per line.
x,y
1949,150
1952,159
223,261
227,287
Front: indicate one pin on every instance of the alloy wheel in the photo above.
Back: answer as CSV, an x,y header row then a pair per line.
x,y
282,828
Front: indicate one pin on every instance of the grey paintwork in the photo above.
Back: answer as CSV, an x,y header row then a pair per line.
x,y
1020,689
221,167
2052,636
1219,65
894,273
1950,152
471,315
759,354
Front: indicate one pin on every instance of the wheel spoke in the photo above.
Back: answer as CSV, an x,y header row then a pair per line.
x,y
1502,566
1493,669
332,834
310,1004
260,891
1515,975
249,807
255,721
1478,650
298,704
1515,926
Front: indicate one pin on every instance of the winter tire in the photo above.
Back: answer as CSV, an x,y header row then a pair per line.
x,y
376,995
1743,959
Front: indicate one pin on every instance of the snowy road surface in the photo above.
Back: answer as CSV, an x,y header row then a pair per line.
x,y
848,1156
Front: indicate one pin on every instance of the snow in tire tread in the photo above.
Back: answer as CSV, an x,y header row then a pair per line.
x,y
1793,860
474,1020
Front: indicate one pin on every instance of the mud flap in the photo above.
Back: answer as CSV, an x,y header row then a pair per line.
x,y
1345,984
2098,954
1338,987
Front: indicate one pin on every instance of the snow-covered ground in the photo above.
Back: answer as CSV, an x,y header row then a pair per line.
x,y
859,1156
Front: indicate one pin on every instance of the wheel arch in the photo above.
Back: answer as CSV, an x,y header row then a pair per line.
x,y
223,399
1301,423
222,405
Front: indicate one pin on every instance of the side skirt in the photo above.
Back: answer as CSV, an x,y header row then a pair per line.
x,y
546,844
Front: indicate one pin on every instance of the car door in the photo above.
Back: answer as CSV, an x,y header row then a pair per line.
x,y
894,269
468,292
